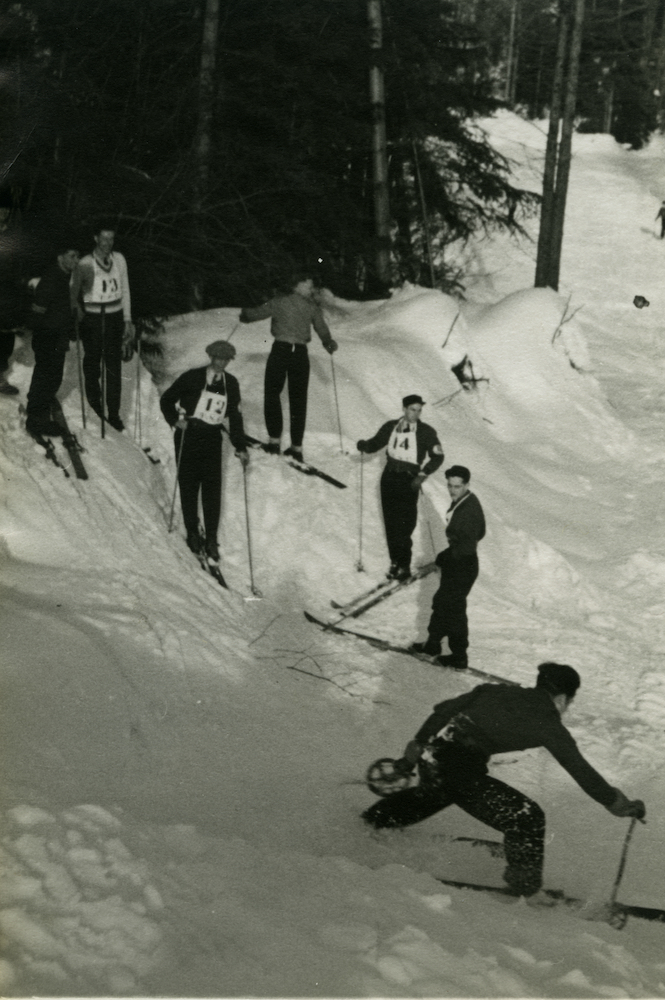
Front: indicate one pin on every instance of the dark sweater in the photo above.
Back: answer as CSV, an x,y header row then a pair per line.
x,y
187,389
466,526
427,444
52,310
501,718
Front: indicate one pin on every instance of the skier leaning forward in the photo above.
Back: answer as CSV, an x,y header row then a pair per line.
x,y
196,405
453,747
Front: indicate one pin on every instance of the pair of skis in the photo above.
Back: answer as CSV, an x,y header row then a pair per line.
x,y
304,467
391,647
70,442
370,598
616,914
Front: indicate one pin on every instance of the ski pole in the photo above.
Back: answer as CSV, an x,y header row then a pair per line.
x,y
339,421
622,862
255,591
359,564
177,475
138,431
79,363
233,331
103,378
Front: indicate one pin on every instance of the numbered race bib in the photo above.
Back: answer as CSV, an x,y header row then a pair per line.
x,y
402,446
211,408
106,284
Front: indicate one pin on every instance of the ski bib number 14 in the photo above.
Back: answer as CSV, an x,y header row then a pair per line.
x,y
402,446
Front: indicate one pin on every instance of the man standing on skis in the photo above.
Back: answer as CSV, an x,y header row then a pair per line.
x,y
291,319
459,568
52,324
453,747
196,405
107,331
408,442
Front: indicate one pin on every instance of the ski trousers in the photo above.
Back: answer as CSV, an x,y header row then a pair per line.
x,y
50,350
286,361
460,778
6,348
200,474
449,602
399,503
102,342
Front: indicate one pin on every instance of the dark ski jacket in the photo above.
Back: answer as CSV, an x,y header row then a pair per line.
x,y
186,391
465,528
52,309
427,444
291,317
501,718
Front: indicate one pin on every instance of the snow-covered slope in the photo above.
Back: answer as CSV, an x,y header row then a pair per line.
x,y
184,765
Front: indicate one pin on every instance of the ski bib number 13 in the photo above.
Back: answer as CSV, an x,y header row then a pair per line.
x,y
211,408
402,446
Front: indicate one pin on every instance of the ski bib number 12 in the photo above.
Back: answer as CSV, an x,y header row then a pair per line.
x,y
211,408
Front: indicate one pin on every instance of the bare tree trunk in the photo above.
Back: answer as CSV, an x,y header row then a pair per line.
x,y
565,146
204,130
551,152
379,146
508,86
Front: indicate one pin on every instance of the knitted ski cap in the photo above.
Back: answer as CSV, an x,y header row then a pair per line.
x,y
221,349
459,471
558,678
412,400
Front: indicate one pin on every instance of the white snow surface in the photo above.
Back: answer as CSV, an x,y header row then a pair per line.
x,y
184,766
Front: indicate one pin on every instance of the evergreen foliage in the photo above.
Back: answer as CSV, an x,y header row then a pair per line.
x,y
99,109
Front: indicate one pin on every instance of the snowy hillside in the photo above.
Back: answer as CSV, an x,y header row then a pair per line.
x,y
184,765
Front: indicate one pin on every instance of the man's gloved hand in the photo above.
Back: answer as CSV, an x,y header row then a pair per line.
x,y
403,766
244,458
331,346
626,807
361,446
418,481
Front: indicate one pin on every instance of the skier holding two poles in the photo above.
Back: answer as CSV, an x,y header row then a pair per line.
x,y
196,405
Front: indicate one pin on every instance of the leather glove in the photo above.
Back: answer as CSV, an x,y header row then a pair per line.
x,y
624,807
331,346
361,446
418,481
244,458
403,766
127,350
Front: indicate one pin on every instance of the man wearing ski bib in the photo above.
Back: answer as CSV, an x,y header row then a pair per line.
x,y
197,404
408,442
452,750
101,285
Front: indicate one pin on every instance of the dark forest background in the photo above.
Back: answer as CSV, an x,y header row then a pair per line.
x,y
101,119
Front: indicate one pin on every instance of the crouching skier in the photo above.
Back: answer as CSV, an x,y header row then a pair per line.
x,y
452,749
196,405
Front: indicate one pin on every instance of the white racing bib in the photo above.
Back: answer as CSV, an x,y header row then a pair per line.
x,y
402,445
211,407
106,284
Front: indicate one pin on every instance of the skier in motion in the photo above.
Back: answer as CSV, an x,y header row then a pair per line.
x,y
408,442
452,750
